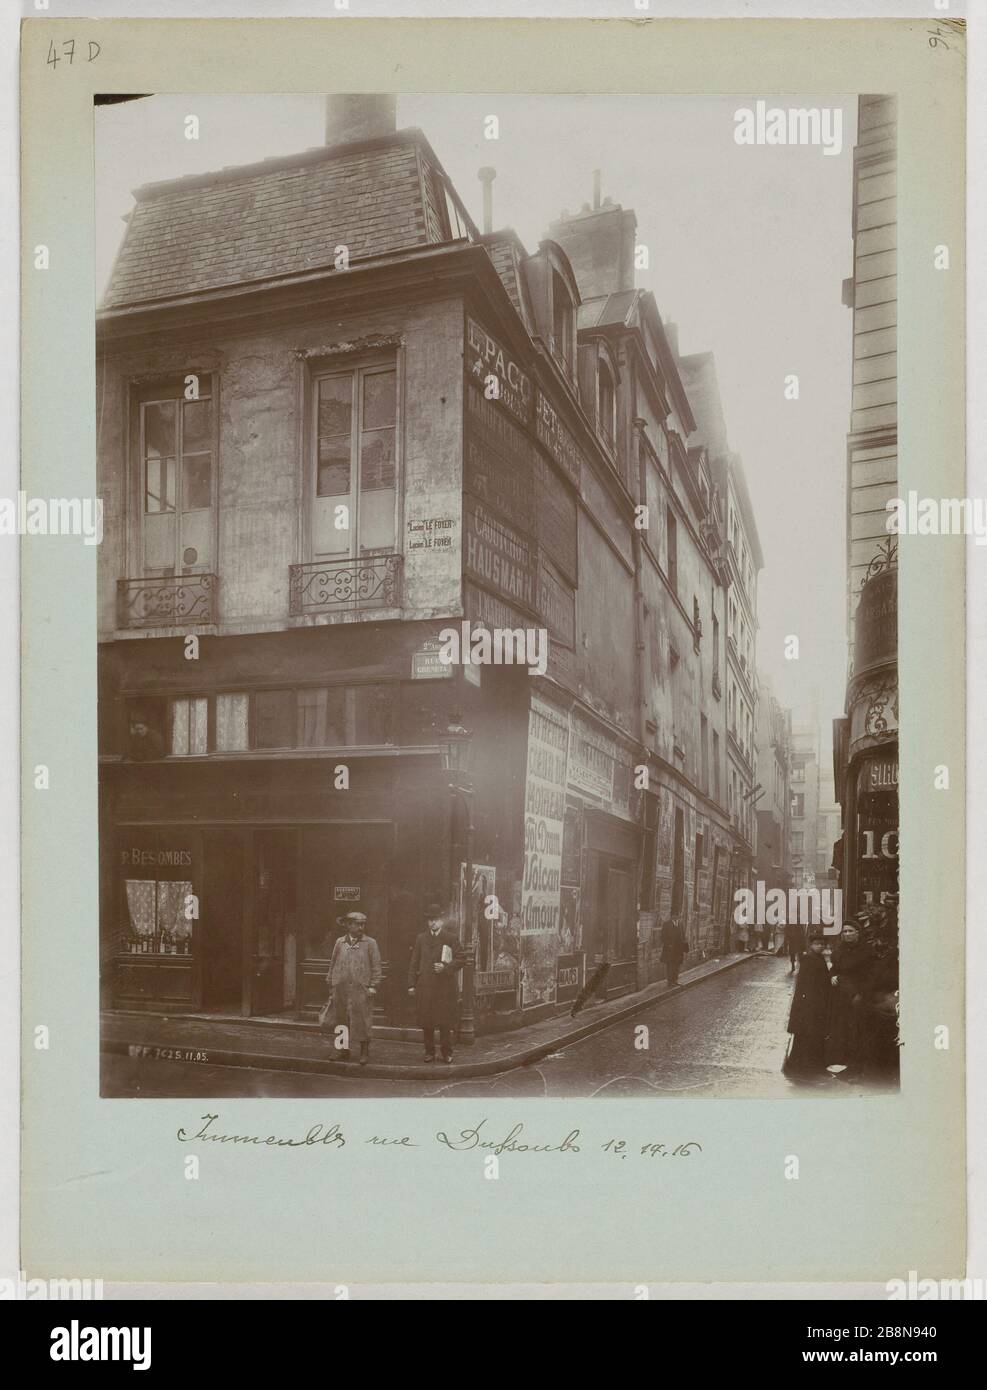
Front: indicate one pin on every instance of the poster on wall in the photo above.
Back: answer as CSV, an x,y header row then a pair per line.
x,y
479,910
544,816
666,818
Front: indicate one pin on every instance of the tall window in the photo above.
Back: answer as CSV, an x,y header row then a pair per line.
x,y
606,404
798,804
716,765
354,510
176,468
189,727
673,552
561,321
716,648
704,750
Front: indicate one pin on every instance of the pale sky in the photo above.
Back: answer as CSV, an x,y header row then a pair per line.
x,y
748,246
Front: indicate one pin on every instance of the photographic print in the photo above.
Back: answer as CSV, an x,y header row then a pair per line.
x,y
453,535
474,757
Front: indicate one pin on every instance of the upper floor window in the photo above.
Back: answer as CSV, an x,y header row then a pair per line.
x,y
562,320
176,442
673,552
606,406
355,466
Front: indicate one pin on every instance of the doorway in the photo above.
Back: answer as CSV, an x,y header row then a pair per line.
x,y
222,919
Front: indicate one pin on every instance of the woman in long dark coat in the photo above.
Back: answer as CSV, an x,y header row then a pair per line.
x,y
853,961
435,964
808,1021
672,949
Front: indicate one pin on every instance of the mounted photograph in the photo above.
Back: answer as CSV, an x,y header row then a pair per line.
x,y
497,595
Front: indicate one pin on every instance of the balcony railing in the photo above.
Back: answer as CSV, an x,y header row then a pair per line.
x,y
330,586
176,600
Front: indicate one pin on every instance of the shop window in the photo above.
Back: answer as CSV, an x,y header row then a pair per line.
x,y
176,441
232,723
274,719
189,727
346,715
157,920
355,472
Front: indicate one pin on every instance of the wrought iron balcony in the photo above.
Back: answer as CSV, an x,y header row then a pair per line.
x,y
176,600
329,586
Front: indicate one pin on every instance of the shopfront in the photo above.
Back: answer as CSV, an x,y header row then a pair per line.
x,y
242,920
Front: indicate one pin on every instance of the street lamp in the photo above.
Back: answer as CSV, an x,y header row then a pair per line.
x,y
456,748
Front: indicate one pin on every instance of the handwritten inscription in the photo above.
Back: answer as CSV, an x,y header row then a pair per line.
x,y
484,1137
330,1136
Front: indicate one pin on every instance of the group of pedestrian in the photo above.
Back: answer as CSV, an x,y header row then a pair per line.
x,y
843,1018
355,974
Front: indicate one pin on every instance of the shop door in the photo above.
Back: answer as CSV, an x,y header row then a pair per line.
x,y
221,925
619,917
275,854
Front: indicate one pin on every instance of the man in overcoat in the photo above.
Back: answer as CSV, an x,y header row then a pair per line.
x,y
354,974
435,964
672,949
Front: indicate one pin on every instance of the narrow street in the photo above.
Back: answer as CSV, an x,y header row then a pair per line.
x,y
723,1039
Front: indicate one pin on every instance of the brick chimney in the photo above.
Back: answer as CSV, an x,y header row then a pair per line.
x,y
599,241
359,116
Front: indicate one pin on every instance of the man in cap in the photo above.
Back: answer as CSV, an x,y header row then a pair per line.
x,y
435,962
354,974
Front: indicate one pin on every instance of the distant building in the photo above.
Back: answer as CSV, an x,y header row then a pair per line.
x,y
772,801
865,753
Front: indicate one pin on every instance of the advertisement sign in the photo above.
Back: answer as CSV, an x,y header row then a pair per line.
x,y
486,358
875,626
544,815
499,556
569,977
557,438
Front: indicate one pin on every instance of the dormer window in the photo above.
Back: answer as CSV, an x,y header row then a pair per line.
x,y
561,322
606,404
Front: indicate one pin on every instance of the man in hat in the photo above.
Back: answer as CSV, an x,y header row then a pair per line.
x,y
354,974
435,963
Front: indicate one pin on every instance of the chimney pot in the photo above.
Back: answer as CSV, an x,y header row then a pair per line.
x,y
486,175
353,116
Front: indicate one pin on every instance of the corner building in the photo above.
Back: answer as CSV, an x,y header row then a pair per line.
x,y
336,418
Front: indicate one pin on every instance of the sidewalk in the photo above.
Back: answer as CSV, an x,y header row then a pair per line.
x,y
305,1048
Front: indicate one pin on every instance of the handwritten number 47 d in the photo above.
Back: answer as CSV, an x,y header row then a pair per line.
x,y
68,52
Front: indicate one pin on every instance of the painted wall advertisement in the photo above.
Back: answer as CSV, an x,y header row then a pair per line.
x,y
498,556
544,816
485,359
